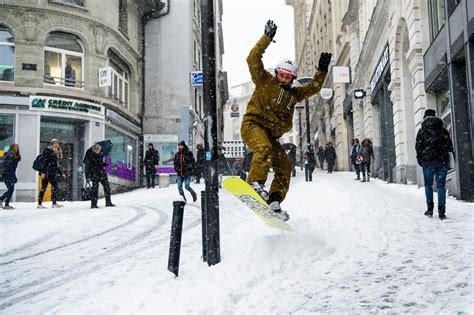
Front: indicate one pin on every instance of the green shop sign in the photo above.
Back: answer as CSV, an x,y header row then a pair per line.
x,y
64,105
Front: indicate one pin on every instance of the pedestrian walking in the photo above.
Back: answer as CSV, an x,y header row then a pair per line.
x,y
354,152
270,114
10,162
433,144
365,156
95,172
222,165
184,165
320,155
152,158
199,168
330,156
50,172
310,162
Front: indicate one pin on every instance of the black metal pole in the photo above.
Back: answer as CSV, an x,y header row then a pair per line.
x,y
308,137
175,239
301,139
210,130
204,225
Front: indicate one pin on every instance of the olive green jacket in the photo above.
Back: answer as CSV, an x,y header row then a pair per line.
x,y
271,105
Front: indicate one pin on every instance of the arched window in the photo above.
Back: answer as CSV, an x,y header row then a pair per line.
x,y
7,55
63,60
119,90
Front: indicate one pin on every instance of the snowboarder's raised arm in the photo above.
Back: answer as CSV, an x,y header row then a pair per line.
x,y
315,85
254,59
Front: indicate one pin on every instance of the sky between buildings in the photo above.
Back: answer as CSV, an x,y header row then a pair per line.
x,y
244,23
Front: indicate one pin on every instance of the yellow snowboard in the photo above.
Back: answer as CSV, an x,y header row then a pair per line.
x,y
254,201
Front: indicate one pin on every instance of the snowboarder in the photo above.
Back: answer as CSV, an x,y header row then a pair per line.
x,y
184,165
10,163
152,158
433,144
270,114
50,171
95,172
365,156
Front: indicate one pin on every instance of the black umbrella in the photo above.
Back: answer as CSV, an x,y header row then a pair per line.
x,y
106,145
288,146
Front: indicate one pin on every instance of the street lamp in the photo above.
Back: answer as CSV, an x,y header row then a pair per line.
x,y
303,81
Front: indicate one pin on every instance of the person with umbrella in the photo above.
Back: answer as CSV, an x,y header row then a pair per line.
x,y
95,172
152,158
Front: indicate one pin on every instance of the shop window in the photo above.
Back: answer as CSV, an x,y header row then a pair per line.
x,y
120,88
63,60
122,158
7,55
6,137
437,16
444,110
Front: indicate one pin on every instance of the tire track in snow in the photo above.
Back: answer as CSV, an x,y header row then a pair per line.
x,y
28,245
139,214
87,267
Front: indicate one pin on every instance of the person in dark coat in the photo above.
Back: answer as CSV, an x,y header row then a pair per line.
x,y
433,144
95,172
152,158
330,156
310,162
10,163
199,168
292,157
364,158
320,155
50,171
354,152
184,165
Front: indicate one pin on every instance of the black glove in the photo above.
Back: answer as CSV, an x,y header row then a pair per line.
x,y
324,60
270,29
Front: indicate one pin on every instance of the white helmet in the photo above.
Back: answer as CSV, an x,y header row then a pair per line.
x,y
286,66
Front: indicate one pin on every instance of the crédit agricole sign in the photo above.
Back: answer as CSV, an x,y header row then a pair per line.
x,y
66,105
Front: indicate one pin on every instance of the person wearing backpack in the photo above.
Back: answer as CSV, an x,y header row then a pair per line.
x,y
10,162
49,172
433,144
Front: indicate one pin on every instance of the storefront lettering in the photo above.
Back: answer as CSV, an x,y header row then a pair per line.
x,y
38,103
59,104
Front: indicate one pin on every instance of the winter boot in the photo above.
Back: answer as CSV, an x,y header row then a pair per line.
x,y
8,207
442,212
260,189
40,206
55,205
364,179
357,178
429,211
275,206
108,202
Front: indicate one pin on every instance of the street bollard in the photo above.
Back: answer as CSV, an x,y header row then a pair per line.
x,y
204,224
175,239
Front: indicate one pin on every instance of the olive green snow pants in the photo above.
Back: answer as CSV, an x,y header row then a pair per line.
x,y
267,152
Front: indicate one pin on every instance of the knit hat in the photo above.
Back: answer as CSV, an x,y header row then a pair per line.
x,y
429,112
182,143
54,140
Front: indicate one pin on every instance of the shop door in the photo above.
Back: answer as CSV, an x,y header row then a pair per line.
x,y
387,136
71,135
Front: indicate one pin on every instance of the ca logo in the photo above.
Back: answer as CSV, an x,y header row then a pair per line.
x,y
38,103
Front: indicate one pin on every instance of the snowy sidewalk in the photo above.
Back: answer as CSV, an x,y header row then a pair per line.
x,y
357,247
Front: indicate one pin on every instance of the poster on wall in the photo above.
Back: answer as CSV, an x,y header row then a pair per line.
x,y
167,146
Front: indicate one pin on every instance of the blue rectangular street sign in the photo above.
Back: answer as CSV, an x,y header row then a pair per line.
x,y
197,78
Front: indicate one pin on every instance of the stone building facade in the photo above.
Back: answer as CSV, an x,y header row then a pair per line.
x,y
53,55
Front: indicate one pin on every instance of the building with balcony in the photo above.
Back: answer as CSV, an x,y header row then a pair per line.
x,y
71,72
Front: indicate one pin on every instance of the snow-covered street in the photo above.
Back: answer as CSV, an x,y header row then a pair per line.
x,y
357,247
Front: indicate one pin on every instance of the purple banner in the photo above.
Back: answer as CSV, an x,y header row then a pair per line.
x,y
121,170
165,170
